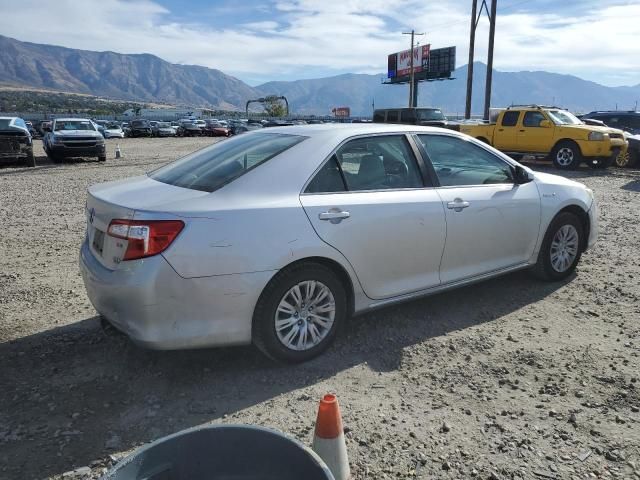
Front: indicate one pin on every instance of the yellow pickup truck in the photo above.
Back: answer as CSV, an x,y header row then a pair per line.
x,y
553,133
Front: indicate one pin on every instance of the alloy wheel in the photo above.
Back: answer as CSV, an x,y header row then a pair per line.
x,y
564,156
305,315
564,248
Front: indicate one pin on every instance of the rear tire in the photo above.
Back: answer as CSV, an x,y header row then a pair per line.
x,y
102,158
566,155
277,301
564,230
31,159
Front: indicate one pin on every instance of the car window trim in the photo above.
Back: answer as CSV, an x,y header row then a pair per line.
x,y
477,144
406,135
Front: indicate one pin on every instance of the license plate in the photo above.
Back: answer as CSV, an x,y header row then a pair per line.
x,y
98,241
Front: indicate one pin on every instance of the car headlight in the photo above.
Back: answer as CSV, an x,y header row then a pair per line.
x,y
597,136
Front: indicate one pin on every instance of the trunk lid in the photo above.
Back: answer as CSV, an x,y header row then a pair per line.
x,y
127,199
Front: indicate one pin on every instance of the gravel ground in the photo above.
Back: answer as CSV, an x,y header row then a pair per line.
x,y
510,378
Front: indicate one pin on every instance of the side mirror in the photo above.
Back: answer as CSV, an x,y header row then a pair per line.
x,y
545,123
521,175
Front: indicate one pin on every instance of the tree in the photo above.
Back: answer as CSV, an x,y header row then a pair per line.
x,y
274,107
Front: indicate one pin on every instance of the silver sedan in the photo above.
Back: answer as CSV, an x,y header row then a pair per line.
x,y
277,236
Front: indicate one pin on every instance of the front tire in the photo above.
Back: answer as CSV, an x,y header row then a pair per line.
x,y
299,313
31,159
103,158
566,156
561,248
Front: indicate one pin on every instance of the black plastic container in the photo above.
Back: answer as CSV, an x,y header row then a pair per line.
x,y
222,452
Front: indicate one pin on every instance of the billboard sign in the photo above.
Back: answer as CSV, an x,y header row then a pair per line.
x,y
420,58
341,111
428,64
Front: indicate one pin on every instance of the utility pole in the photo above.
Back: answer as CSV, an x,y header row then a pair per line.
x,y
472,44
412,73
475,18
492,34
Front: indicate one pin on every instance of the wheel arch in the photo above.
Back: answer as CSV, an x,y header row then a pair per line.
x,y
483,139
585,221
339,270
566,140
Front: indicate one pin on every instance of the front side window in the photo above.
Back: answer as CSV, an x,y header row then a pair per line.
x,y
212,167
533,119
392,116
510,118
370,163
430,114
459,162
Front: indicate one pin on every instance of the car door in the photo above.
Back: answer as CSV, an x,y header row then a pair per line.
x,y
492,223
532,137
369,201
505,135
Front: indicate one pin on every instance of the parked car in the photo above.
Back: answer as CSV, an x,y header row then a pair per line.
x,y
42,127
16,142
550,132
216,129
632,156
74,137
113,131
139,128
246,127
32,131
165,129
276,236
426,116
188,128
629,121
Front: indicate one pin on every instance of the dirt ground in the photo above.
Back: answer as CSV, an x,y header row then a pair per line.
x,y
510,378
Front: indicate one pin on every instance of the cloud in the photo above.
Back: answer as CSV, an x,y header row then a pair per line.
x,y
305,38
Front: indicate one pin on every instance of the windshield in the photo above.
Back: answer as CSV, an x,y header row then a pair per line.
x,y
4,123
74,125
140,123
212,167
562,117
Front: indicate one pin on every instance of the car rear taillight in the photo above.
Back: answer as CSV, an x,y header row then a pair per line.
x,y
145,237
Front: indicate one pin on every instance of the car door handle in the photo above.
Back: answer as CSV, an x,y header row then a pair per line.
x,y
334,215
458,204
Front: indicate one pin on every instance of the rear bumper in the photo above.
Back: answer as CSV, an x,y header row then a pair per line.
x,y
156,308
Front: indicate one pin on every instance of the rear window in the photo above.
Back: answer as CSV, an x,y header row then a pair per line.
x,y
212,167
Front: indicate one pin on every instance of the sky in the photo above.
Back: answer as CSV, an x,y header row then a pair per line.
x,y
260,41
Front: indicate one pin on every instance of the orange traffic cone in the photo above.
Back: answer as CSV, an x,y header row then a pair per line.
x,y
328,440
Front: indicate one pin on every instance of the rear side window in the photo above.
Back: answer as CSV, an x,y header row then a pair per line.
x,y
369,163
408,116
510,118
392,116
212,167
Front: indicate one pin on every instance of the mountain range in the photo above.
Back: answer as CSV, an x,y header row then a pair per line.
x,y
147,78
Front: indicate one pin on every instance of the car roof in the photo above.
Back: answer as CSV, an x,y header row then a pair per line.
x,y
71,120
346,130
